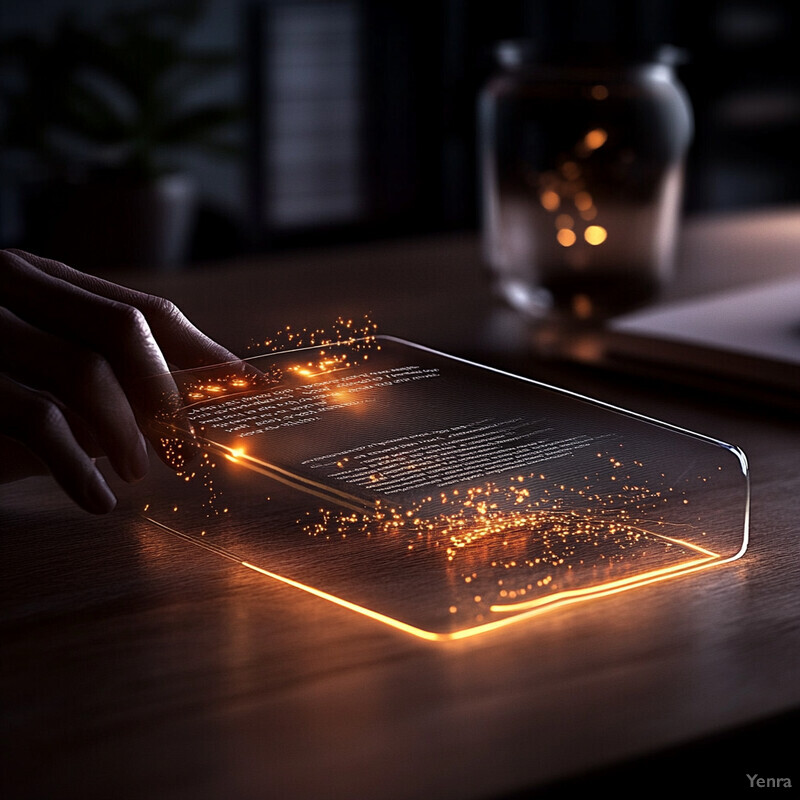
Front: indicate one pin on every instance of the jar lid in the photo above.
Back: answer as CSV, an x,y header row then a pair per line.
x,y
516,53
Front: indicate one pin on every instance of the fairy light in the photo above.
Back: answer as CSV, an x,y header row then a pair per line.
x,y
563,191
595,234
550,200
595,139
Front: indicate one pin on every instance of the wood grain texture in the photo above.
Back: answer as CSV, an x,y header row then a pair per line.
x,y
137,665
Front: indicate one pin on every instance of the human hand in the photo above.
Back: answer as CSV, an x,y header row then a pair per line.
x,y
77,352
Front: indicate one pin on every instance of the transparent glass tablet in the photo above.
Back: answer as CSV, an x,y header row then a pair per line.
x,y
434,495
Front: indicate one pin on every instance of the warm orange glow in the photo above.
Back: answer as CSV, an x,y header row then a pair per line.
x,y
477,521
596,138
359,333
582,306
599,92
324,365
528,611
570,170
566,237
583,201
595,234
565,221
235,454
613,587
515,546
290,479
386,620
550,200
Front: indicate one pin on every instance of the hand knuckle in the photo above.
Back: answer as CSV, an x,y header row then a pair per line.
x,y
41,416
130,322
164,309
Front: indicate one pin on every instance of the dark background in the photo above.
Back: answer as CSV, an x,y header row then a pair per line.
x,y
358,117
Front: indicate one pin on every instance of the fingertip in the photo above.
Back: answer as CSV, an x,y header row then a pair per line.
x,y
130,460
97,496
138,461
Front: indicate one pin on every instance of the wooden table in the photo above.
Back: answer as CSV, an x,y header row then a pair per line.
x,y
137,665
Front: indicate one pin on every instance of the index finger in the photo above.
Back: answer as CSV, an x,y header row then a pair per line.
x,y
180,342
115,322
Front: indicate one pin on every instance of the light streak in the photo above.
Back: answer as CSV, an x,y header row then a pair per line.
x,y
603,589
546,604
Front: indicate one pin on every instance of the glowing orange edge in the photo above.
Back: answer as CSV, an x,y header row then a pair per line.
x,y
546,604
618,585
541,606
530,608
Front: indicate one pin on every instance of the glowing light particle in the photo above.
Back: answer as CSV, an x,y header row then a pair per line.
x,y
582,306
458,533
565,221
595,234
570,170
595,138
550,200
566,237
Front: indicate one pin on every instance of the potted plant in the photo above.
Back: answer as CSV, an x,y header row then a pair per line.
x,y
99,115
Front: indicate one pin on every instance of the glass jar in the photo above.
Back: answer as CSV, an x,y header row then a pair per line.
x,y
582,159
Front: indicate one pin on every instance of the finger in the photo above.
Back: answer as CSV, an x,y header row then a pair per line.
x,y
17,462
181,342
117,321
35,421
120,331
69,311
84,382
